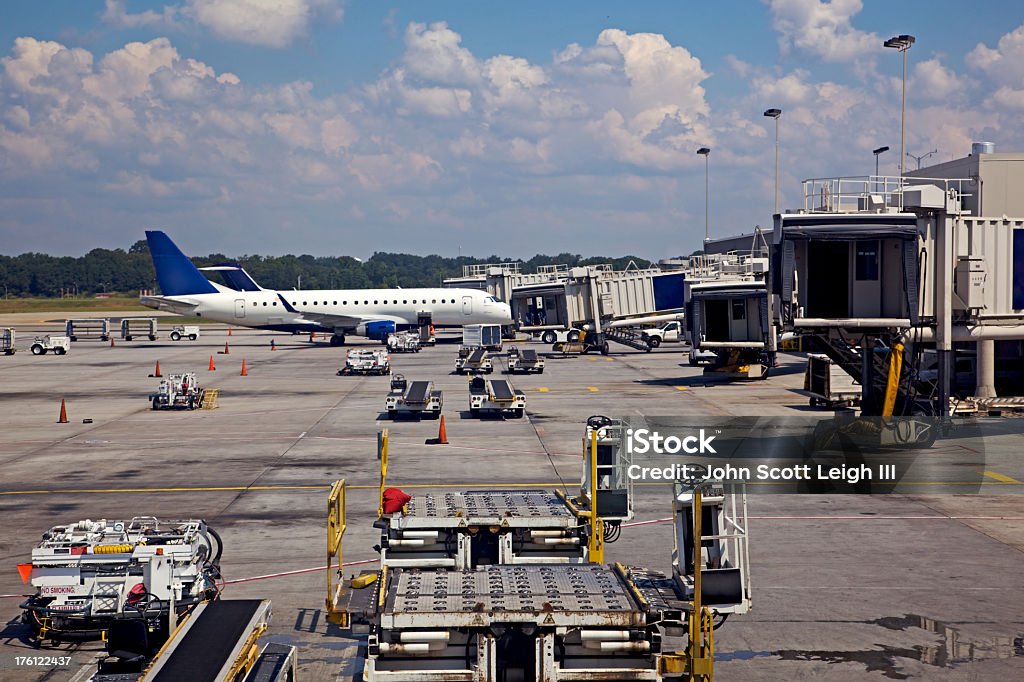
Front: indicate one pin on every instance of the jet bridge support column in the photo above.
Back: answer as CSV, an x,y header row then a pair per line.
x,y
986,380
943,308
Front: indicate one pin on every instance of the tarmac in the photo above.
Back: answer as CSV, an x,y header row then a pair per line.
x,y
846,587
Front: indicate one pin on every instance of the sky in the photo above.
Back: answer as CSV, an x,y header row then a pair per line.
x,y
344,128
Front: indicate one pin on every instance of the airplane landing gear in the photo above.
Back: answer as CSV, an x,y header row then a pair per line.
x,y
338,340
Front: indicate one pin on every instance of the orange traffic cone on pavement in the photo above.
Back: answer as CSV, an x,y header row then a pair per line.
x,y
226,351
112,343
442,435
245,372
273,346
63,412
211,364
229,331
156,372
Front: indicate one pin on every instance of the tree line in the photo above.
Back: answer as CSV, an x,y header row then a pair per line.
x,y
126,272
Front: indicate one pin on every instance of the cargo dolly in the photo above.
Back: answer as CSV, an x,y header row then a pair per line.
x,y
7,337
525,361
138,326
473,361
87,328
495,396
418,398
437,610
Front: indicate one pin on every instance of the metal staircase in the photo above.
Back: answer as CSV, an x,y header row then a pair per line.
x,y
627,336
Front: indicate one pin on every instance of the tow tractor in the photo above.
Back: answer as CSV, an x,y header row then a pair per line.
x,y
7,337
181,331
495,395
177,391
91,574
366,361
406,342
524,361
418,398
473,361
58,344
481,586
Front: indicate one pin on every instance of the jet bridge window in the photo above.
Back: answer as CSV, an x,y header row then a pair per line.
x,y
739,309
867,260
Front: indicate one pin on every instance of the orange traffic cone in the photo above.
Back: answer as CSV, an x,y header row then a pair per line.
x,y
24,570
211,364
273,346
63,413
245,372
157,373
226,351
229,331
111,343
442,435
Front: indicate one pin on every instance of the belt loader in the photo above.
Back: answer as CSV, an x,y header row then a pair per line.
x,y
495,395
482,586
418,398
89,574
524,361
473,361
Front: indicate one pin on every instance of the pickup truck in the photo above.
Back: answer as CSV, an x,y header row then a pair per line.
x,y
670,332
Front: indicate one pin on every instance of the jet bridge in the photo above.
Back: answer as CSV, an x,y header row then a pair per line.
x,y
873,271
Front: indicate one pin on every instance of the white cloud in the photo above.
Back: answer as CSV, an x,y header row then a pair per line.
x,y
824,29
267,23
932,80
1005,63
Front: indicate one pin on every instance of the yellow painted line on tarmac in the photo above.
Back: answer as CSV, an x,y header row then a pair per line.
x,y
681,388
247,488
593,389
1002,478
543,389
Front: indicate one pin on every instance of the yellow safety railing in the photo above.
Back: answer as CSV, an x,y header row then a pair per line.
x,y
595,545
382,455
335,532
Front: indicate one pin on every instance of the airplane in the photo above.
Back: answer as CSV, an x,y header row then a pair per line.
x,y
373,313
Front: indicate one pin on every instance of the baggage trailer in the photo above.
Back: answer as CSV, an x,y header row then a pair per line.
x,y
217,641
827,384
7,337
138,326
58,344
87,328
495,395
404,342
177,391
473,361
418,398
89,575
181,331
365,361
525,361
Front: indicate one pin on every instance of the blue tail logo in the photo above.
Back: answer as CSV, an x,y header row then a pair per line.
x,y
175,272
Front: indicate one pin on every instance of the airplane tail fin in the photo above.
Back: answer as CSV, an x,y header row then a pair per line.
x,y
235,276
177,275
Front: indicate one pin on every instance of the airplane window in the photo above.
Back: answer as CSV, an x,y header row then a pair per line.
x,y
366,303
405,300
264,304
303,303
375,303
344,302
275,302
254,302
335,303
414,301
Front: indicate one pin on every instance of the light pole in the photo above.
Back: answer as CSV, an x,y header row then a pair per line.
x,y
705,152
902,43
877,152
775,113
921,158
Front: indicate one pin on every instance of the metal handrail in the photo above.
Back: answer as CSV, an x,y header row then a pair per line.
x,y
855,193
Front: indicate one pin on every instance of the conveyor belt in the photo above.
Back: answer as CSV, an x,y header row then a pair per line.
x,y
204,647
529,356
417,392
501,390
477,356
512,508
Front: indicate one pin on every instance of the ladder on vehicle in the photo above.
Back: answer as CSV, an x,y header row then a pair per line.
x,y
209,399
627,336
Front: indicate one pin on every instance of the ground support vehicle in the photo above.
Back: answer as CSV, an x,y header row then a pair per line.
x,y
418,398
98,328
405,342
178,391
90,574
183,331
525,361
136,326
7,338
670,332
44,344
495,396
486,336
366,361
473,361
482,586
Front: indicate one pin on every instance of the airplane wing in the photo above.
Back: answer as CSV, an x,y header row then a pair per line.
x,y
339,322
182,306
